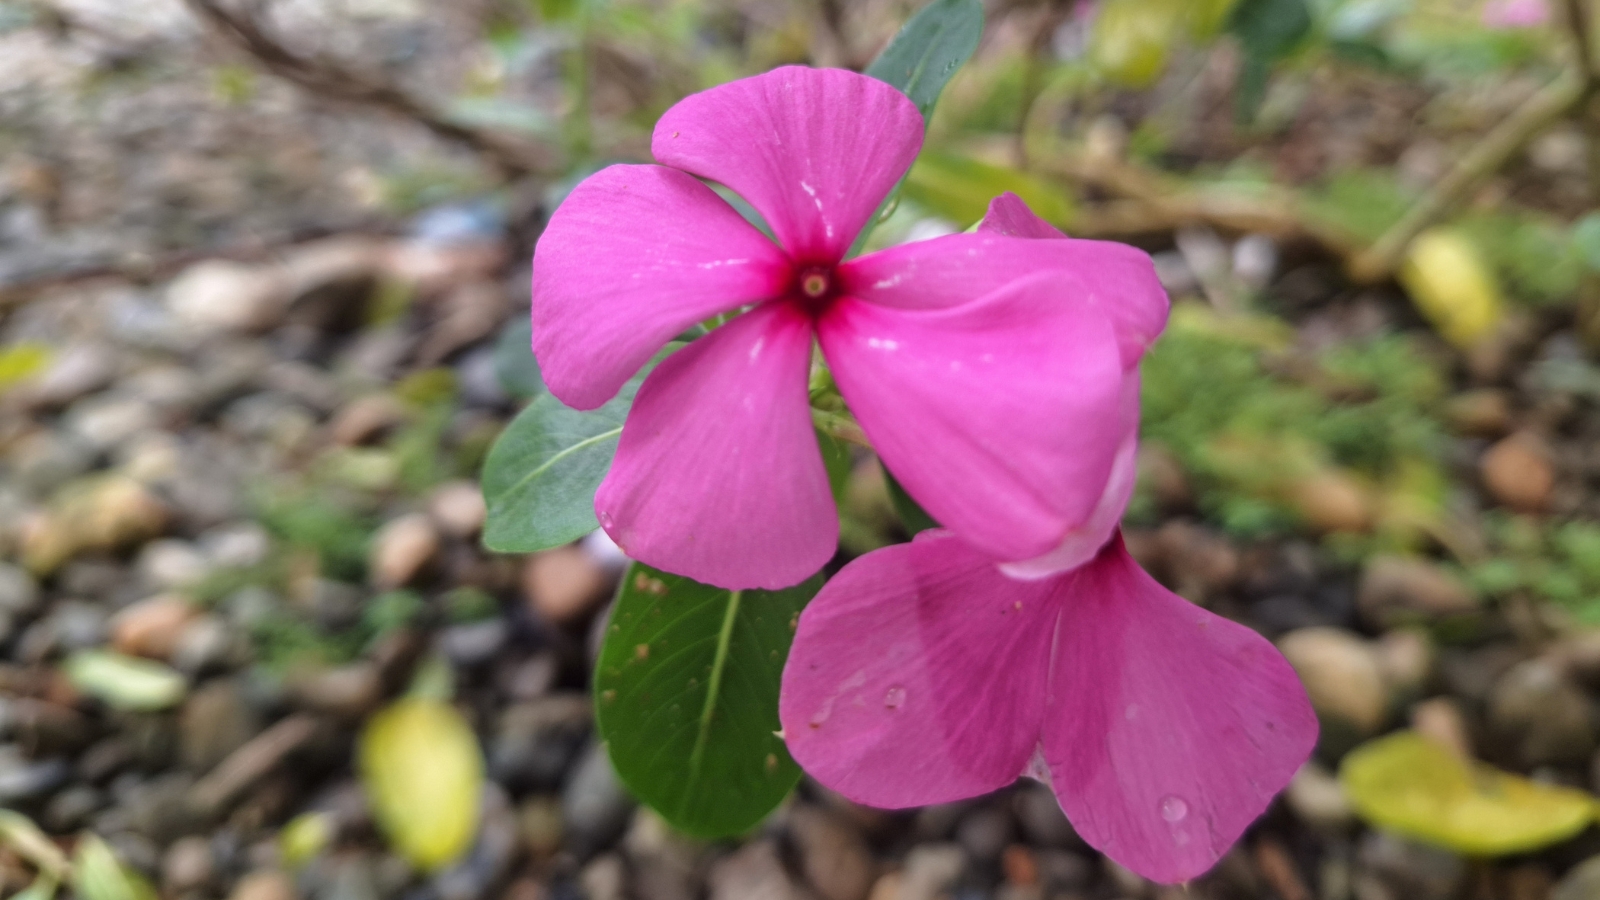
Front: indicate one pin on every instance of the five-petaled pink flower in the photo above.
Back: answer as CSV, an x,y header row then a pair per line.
x,y
923,674
990,371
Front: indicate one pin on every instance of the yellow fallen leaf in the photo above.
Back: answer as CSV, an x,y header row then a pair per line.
x,y
423,775
1452,286
959,189
1407,784
1132,39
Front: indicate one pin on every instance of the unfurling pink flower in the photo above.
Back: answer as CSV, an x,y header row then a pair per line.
x,y
1507,14
921,674
988,370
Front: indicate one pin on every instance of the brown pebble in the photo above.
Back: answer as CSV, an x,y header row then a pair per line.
x,y
401,548
1279,870
1398,589
563,584
1019,865
151,627
363,419
1341,675
264,885
1481,413
1440,720
1518,472
458,507
1333,500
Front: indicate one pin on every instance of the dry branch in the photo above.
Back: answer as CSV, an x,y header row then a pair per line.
x,y
335,80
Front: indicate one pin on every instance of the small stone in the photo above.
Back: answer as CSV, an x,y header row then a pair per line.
x,y
79,370
1333,501
1542,716
1019,866
753,872
264,885
540,825
71,807
604,878
563,584
107,420
364,419
458,508
151,627
1341,675
205,644
19,593
220,295
216,720
188,865
1519,473
401,548
23,779
1484,413
833,854
1582,882
1202,562
169,564
984,833
1412,871
102,513
930,870
1406,658
1441,720
238,545
473,643
350,690
594,806
1397,590
1317,799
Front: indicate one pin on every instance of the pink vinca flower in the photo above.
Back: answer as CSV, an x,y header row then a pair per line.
x,y
925,673
922,674
987,369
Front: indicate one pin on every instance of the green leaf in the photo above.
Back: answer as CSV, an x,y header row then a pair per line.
x,y
929,49
959,189
1268,30
1407,784
125,682
686,698
97,874
514,364
913,517
542,472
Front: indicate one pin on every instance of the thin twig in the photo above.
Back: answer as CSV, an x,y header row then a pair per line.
x,y
1149,201
1579,27
335,80
1555,101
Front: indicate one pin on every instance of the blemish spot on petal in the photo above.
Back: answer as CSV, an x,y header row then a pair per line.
x,y
895,696
1131,713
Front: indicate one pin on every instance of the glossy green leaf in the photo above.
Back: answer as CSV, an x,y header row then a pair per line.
x,y
542,472
959,189
514,364
1410,785
125,682
913,517
422,772
97,874
686,698
929,49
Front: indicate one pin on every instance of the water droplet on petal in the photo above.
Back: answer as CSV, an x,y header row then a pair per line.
x,y
605,519
894,697
1174,809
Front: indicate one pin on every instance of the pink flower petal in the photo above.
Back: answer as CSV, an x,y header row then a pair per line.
x,y
718,476
951,270
916,676
1010,215
1001,416
635,255
814,150
1169,729
1082,543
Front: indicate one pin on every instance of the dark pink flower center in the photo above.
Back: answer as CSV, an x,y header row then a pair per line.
x,y
814,288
